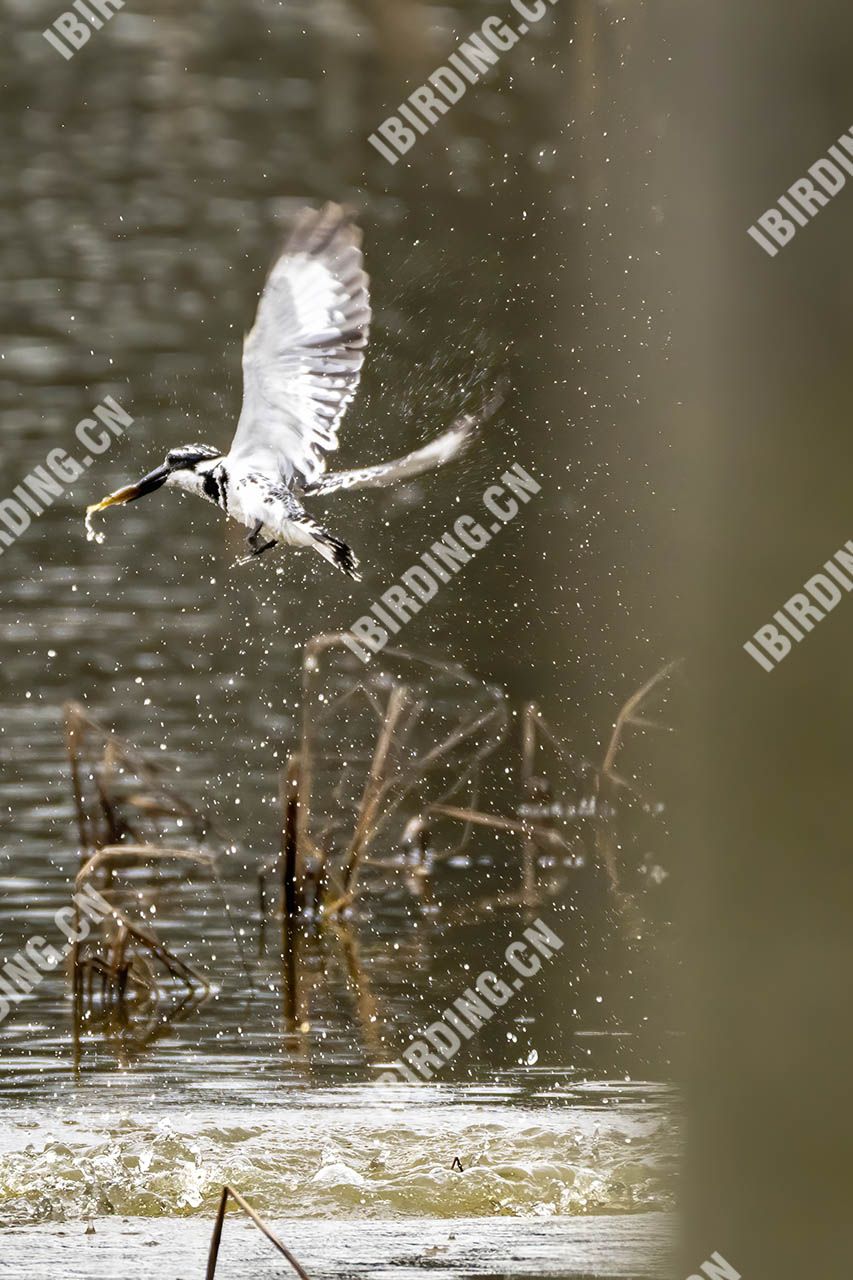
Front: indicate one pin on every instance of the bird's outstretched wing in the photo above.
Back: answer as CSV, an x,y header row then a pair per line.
x,y
302,360
440,450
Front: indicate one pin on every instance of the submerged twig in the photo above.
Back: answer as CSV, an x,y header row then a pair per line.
x,y
259,1223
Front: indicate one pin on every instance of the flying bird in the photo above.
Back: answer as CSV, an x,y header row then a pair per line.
x,y
302,363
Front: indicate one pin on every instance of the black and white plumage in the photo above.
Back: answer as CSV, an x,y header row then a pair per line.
x,y
301,367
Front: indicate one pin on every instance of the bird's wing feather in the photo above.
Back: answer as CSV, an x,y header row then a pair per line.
x,y
440,450
302,360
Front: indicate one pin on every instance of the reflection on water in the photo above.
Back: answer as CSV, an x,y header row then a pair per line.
x,y
365,991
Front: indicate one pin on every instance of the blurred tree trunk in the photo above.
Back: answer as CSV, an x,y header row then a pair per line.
x,y
756,94
716,392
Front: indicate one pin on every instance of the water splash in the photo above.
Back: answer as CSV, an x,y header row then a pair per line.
x,y
374,1163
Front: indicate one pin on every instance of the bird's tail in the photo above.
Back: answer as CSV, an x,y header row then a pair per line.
x,y
440,450
336,552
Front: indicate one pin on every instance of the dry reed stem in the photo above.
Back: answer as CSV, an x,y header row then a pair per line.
x,y
496,716
605,842
111,854
497,823
384,796
74,715
291,890
259,1223
565,754
370,801
626,716
173,964
291,868
420,767
78,727
314,648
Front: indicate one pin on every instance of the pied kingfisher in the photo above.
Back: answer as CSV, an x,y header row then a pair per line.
x,y
301,367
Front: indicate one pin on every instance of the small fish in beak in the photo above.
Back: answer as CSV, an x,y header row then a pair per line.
x,y
129,493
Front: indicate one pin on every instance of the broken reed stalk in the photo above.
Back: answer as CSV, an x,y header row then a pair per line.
x,y
605,841
456,738
74,721
102,777
79,726
126,930
291,888
291,880
111,854
314,648
173,964
403,778
497,823
389,804
626,716
259,1223
371,799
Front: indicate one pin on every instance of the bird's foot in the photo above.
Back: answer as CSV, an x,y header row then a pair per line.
x,y
258,549
256,545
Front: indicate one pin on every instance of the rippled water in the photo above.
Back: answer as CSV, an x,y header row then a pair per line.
x,y
144,186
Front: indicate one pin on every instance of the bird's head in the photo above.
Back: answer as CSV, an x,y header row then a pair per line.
x,y
181,464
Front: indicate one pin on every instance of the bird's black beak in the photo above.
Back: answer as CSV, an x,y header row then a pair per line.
x,y
131,492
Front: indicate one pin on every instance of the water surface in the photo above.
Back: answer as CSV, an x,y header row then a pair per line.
x,y
144,187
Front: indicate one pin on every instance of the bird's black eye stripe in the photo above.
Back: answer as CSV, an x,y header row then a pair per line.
x,y
215,486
